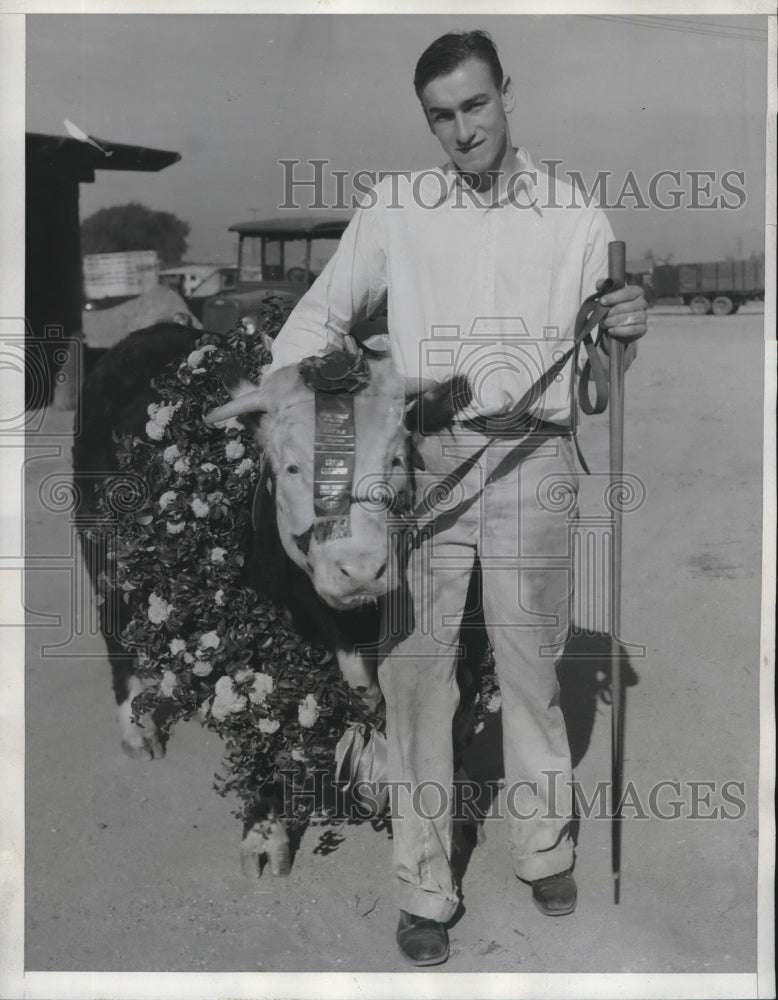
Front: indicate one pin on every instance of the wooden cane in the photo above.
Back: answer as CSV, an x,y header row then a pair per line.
x,y
617,266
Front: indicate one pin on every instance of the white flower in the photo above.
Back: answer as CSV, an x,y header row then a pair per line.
x,y
269,726
159,609
308,711
188,658
160,418
155,431
201,668
263,686
219,598
196,357
234,449
230,424
226,701
167,498
164,414
200,509
217,554
171,453
208,467
168,685
209,640
245,466
298,755
182,465
175,527
493,702
176,646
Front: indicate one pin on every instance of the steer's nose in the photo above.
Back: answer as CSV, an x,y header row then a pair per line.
x,y
362,571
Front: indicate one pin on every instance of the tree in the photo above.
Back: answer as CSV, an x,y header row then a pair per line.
x,y
659,258
135,227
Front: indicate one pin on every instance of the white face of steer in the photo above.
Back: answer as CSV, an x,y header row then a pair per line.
x,y
360,567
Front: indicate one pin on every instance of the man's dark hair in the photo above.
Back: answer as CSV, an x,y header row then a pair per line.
x,y
450,51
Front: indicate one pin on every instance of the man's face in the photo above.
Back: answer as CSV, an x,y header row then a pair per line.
x,y
466,111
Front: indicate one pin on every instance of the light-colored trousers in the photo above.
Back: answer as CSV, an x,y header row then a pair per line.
x,y
515,506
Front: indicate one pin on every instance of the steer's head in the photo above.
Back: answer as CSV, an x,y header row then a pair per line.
x,y
349,557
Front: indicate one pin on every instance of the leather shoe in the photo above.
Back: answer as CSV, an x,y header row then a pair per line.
x,y
422,941
555,895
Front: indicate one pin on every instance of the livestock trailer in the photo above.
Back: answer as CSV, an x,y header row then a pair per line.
x,y
718,287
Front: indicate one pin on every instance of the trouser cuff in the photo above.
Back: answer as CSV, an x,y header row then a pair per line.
x,y
425,904
545,863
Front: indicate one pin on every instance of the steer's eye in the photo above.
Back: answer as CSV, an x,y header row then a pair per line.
x,y
293,469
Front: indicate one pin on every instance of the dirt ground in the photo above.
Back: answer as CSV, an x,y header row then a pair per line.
x,y
134,865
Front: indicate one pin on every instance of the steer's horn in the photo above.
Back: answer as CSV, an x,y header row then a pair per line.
x,y
247,402
246,396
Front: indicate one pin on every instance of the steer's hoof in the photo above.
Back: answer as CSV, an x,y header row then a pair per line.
x,y
249,865
280,860
143,744
266,839
140,739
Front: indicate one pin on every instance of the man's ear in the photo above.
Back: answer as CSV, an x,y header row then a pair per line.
x,y
508,95
427,118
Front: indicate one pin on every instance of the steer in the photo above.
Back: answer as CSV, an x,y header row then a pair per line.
x,y
113,401
327,571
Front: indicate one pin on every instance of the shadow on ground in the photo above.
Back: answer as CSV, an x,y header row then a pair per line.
x,y
584,671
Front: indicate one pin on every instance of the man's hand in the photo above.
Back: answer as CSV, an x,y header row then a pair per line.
x,y
627,319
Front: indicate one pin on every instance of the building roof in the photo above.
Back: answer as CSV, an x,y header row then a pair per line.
x,y
196,266
78,160
297,226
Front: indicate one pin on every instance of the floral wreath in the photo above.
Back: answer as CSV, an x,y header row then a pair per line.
x,y
207,645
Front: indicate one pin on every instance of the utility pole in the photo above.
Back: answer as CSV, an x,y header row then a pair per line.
x,y
253,243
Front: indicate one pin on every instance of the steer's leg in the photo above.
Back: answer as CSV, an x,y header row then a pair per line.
x,y
265,836
361,675
138,739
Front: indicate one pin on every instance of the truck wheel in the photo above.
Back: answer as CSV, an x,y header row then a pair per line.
x,y
700,305
722,306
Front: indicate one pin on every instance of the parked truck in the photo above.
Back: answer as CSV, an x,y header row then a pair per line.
x,y
718,287
277,261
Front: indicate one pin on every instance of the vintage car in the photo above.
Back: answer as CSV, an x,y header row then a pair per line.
x,y
278,260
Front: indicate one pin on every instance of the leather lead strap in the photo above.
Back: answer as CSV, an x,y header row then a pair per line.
x,y
517,421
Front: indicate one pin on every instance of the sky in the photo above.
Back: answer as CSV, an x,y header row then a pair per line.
x,y
236,94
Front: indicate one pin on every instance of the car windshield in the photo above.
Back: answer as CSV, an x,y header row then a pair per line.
x,y
281,257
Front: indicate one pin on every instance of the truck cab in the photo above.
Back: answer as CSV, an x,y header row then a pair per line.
x,y
278,260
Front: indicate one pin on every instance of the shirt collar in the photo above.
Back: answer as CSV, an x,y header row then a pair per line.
x,y
522,177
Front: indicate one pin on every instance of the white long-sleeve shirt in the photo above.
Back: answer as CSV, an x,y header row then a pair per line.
x,y
488,290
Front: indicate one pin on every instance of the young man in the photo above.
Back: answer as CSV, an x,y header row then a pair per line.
x,y
482,265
